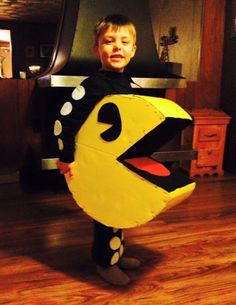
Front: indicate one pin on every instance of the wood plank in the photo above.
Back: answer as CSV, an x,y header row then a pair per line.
x,y
206,91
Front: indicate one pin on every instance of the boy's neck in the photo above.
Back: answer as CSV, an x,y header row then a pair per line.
x,y
111,71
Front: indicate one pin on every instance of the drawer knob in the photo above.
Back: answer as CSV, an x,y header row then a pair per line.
x,y
211,135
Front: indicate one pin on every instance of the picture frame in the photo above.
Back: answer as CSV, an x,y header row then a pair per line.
x,y
30,51
46,50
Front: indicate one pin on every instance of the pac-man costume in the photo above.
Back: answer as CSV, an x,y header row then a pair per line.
x,y
115,180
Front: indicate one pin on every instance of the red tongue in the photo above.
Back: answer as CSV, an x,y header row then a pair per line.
x,y
149,165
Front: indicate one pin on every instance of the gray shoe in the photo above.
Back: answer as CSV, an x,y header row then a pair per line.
x,y
113,275
129,263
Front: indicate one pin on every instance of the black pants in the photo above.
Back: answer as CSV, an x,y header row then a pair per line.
x,y
108,245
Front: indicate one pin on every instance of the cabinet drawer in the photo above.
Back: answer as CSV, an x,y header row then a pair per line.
x,y
208,157
209,133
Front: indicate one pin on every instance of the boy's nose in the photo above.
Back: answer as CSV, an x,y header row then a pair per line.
x,y
117,45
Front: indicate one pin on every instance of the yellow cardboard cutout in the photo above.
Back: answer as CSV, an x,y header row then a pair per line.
x,y
105,188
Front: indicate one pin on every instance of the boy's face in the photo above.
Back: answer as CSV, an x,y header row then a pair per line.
x,y
115,48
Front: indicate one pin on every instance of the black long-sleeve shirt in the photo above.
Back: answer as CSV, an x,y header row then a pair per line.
x,y
83,99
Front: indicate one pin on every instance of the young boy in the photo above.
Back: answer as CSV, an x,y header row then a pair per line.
x,y
115,46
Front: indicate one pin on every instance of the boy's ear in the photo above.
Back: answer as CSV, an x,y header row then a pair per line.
x,y
134,50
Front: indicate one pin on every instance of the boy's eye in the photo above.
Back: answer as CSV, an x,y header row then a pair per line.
x,y
108,41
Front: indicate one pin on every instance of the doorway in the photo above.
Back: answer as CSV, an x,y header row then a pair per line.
x,y
5,54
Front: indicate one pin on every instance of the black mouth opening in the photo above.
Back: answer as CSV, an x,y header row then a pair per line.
x,y
138,157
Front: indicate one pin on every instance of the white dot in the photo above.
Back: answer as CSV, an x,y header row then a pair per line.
x,y
115,258
78,93
66,108
115,243
57,128
121,250
60,144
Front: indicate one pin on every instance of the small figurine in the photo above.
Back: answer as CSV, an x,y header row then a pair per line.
x,y
165,41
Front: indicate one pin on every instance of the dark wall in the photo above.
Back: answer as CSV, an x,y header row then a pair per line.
x,y
228,91
29,35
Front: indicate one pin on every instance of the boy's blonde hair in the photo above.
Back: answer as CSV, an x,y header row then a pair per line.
x,y
115,21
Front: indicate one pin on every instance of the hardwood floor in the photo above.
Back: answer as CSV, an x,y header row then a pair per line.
x,y
188,254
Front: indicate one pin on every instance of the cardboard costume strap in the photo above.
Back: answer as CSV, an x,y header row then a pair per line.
x,y
115,180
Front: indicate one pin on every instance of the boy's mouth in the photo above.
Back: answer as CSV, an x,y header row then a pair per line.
x,y
117,56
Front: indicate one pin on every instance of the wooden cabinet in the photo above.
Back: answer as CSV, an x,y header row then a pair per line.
x,y
207,137
15,99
